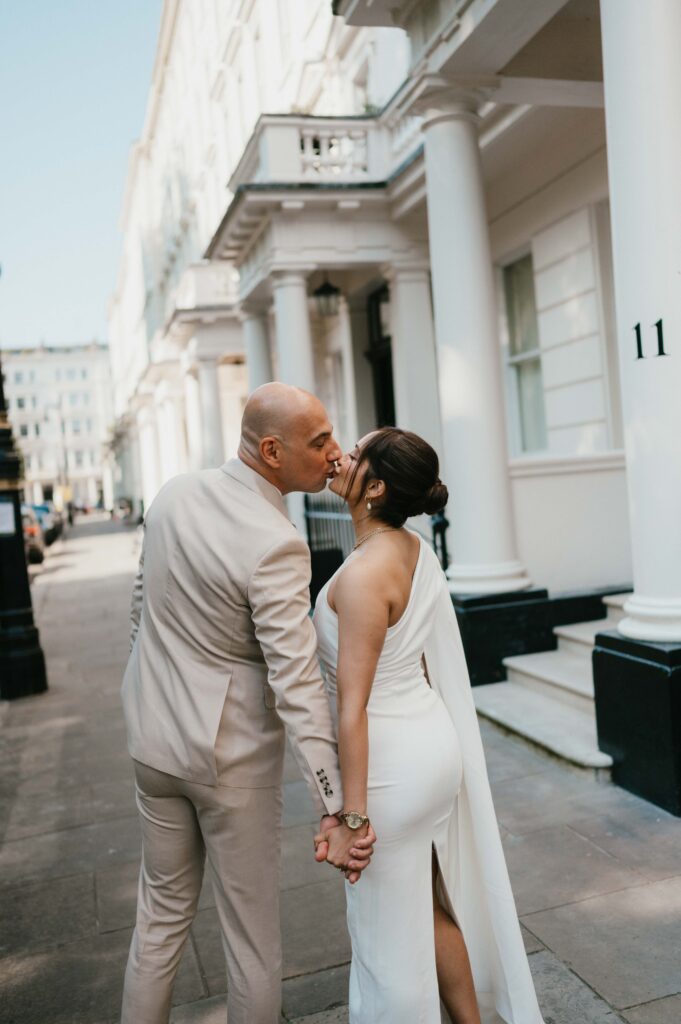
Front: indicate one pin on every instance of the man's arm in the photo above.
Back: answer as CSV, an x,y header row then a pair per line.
x,y
279,597
136,602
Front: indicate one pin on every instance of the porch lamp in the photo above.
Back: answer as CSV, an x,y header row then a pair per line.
x,y
327,297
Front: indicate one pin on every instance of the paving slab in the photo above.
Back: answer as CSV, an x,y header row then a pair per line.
x,y
314,933
70,851
47,913
298,866
298,807
312,993
552,866
648,841
660,1011
79,983
557,797
337,1016
563,997
626,945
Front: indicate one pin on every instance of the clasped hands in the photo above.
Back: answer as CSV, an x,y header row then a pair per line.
x,y
348,849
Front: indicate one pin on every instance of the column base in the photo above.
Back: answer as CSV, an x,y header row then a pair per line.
x,y
22,663
497,578
649,618
495,626
637,687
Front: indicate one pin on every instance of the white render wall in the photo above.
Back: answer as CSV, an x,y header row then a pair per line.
x,y
67,415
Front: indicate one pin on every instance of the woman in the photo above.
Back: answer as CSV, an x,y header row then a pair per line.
x,y
433,917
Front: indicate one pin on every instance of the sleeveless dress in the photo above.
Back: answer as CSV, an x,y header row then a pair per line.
x,y
427,791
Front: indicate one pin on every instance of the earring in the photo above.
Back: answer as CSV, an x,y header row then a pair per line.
x,y
368,504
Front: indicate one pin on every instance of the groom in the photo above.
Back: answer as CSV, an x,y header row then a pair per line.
x,y
223,657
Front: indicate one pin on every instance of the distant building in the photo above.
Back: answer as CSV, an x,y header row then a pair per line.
x,y
61,410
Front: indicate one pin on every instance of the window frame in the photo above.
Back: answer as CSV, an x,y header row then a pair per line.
x,y
510,362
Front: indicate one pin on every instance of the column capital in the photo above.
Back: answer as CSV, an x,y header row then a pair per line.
x,y
417,270
251,309
285,277
438,98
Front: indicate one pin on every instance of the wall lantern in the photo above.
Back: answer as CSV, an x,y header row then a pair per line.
x,y
327,297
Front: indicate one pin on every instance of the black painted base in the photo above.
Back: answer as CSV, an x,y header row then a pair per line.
x,y
638,714
496,626
22,664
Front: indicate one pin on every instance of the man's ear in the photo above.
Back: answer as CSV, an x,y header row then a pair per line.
x,y
270,450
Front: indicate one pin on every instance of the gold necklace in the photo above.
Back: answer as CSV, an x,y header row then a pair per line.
x,y
372,533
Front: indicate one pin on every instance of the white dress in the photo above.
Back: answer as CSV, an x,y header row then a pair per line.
x,y
427,788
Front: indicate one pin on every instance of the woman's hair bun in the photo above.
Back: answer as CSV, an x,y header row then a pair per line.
x,y
435,498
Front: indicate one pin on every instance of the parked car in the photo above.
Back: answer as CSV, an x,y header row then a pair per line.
x,y
34,541
46,518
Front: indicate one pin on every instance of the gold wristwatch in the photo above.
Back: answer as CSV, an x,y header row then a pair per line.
x,y
353,819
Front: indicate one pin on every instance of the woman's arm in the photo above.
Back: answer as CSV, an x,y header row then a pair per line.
x,y
363,611
363,614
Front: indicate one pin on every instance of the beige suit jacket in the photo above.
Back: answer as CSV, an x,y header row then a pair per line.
x,y
223,650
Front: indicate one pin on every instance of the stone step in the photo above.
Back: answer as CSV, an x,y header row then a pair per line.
x,y
614,604
558,675
578,637
561,729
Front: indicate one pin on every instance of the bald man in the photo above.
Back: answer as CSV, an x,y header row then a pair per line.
x,y
223,656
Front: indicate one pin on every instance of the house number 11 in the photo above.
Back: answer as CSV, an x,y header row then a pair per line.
x,y
660,340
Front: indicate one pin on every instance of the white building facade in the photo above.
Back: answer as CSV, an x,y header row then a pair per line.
x,y
61,412
458,170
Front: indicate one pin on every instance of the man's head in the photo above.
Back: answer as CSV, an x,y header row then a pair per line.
x,y
286,436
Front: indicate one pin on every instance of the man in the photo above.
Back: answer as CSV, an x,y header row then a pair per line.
x,y
223,655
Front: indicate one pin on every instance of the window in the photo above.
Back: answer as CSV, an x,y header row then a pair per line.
x,y
78,458
83,374
73,398
36,427
71,374
75,426
34,401
88,426
23,430
21,403
524,356
18,377
31,376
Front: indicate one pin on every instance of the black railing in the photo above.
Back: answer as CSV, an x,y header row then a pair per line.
x,y
331,536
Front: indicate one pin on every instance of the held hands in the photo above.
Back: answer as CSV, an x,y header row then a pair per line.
x,y
348,849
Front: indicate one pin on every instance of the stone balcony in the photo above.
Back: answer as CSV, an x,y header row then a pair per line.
x,y
304,150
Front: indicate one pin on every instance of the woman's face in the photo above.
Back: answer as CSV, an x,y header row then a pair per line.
x,y
349,482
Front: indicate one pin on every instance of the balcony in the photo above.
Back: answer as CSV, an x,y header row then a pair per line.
x,y
293,149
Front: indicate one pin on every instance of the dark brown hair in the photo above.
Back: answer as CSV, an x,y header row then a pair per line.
x,y
409,467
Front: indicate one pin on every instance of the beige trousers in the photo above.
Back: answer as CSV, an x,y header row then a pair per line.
x,y
239,831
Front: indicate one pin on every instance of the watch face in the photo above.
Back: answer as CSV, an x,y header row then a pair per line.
x,y
353,819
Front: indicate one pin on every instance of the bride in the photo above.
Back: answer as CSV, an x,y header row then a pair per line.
x,y
433,918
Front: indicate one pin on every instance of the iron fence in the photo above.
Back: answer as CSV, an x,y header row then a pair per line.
x,y
331,536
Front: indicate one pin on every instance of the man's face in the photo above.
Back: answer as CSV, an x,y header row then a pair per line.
x,y
309,452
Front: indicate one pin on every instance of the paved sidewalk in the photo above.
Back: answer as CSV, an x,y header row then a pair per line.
x,y
596,871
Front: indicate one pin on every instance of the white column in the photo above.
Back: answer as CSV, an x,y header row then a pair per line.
x,y
642,75
294,337
257,348
295,359
475,463
212,448
414,361
171,432
192,405
149,460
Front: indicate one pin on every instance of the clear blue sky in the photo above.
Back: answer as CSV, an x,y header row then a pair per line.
x,y
74,81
